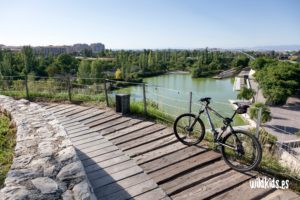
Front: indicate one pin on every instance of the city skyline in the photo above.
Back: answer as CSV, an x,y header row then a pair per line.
x,y
151,24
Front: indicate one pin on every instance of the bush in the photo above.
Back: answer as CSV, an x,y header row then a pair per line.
x,y
266,113
246,93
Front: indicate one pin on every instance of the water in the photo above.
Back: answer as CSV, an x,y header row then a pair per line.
x,y
171,93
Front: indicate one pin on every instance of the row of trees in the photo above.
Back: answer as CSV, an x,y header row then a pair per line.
x,y
26,61
132,64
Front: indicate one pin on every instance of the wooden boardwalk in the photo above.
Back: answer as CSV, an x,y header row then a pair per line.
x,y
128,158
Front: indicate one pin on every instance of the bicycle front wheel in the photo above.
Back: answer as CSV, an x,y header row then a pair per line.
x,y
241,151
188,129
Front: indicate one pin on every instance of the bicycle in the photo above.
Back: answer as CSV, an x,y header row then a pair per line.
x,y
240,149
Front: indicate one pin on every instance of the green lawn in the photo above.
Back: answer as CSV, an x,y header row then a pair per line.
x,y
7,144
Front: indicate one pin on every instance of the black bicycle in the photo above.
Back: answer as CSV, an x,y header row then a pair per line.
x,y
240,149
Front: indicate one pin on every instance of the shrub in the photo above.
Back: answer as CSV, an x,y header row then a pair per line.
x,y
266,113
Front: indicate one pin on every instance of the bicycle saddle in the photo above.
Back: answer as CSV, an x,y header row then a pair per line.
x,y
205,99
240,105
242,108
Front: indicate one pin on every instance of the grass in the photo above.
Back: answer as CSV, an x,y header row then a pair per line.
x,y
298,133
54,97
7,144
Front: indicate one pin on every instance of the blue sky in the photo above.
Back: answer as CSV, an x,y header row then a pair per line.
x,y
137,24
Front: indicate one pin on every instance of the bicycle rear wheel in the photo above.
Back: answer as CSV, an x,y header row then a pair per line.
x,y
184,131
241,151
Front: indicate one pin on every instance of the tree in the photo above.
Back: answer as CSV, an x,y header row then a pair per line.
x,y
246,93
52,70
118,74
240,61
96,70
84,71
66,63
6,65
28,59
261,62
266,113
279,81
87,53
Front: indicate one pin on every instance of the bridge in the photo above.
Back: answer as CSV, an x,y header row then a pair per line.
x,y
128,157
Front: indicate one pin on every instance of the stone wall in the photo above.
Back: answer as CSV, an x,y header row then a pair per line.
x,y
45,164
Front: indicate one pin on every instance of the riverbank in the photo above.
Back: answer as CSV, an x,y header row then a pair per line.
x,y
227,74
178,72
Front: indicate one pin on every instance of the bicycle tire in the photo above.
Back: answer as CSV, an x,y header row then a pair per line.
x,y
256,144
176,132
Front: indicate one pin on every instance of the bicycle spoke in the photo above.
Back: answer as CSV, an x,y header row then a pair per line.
x,y
245,153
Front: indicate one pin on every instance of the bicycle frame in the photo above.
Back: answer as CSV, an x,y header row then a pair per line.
x,y
217,136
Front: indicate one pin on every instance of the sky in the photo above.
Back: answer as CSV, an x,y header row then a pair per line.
x,y
154,24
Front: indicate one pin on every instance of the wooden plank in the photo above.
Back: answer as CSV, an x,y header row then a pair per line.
x,y
157,193
86,132
138,134
244,192
76,128
132,191
59,107
172,158
90,135
98,152
184,166
48,106
282,194
128,130
93,148
67,124
111,123
60,118
66,121
116,177
147,157
88,140
151,146
66,110
101,158
213,186
121,126
121,185
101,121
110,170
86,114
79,110
91,144
106,163
89,115
98,117
146,139
195,177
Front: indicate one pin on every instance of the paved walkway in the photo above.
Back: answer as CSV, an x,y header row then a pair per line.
x,y
128,158
285,119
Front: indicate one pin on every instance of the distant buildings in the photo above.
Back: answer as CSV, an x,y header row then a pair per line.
x,y
54,50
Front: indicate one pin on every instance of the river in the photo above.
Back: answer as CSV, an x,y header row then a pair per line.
x,y
171,93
